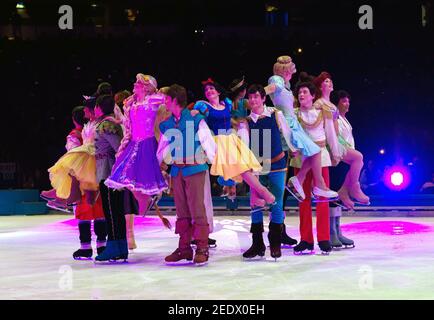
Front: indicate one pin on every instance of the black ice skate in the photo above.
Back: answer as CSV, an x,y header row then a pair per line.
x,y
303,248
325,247
83,254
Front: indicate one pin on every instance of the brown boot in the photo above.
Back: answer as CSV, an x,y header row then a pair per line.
x,y
180,254
130,231
201,256
184,228
201,233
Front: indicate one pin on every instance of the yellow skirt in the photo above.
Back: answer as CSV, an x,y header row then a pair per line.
x,y
233,158
79,162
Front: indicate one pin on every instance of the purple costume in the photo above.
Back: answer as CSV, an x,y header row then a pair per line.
x,y
136,167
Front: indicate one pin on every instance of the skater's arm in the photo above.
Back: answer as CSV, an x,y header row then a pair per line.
x,y
332,138
243,132
206,140
163,146
286,130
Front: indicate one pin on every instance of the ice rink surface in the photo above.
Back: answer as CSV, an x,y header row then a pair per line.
x,y
393,259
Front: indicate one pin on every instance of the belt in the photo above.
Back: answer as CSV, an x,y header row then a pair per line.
x,y
321,144
183,165
276,158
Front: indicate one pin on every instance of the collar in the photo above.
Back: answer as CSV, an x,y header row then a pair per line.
x,y
267,113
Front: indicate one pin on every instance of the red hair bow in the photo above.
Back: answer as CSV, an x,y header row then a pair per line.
x,y
209,80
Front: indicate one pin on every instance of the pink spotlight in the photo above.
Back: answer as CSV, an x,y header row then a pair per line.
x,y
397,178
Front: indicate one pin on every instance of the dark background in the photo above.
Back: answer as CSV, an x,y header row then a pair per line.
x,y
45,71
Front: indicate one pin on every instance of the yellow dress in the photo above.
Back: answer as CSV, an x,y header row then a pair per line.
x,y
233,158
78,162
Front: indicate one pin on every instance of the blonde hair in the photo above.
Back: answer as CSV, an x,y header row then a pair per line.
x,y
283,64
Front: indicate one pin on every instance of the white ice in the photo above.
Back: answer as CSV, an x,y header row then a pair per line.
x,y
393,259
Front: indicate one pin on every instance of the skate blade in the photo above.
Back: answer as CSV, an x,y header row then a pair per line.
x,y
361,203
287,246
201,264
294,193
318,200
349,246
256,258
183,262
82,258
324,253
59,209
339,203
304,253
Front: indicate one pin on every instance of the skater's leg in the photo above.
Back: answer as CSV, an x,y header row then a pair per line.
x,y
130,231
355,159
322,213
344,240
305,209
276,182
100,229
254,183
142,200
196,207
183,226
321,188
334,239
85,234
85,251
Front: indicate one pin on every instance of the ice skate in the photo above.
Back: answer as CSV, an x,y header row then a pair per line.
x,y
346,242
325,247
179,255
344,199
83,254
334,239
295,189
321,195
287,241
274,237
257,249
358,196
114,251
201,257
303,248
212,243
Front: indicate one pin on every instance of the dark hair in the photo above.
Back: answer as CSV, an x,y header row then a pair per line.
x,y
90,102
106,103
336,96
217,86
309,85
104,88
78,115
120,97
256,88
233,93
178,92
306,80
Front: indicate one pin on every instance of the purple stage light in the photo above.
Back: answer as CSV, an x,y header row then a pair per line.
x,y
397,178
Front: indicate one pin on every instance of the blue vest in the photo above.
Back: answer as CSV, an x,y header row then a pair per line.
x,y
184,153
219,119
269,123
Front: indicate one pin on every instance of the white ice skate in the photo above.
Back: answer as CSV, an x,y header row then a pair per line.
x,y
295,188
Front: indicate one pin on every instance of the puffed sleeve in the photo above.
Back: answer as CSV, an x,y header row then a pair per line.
x,y
228,103
202,107
278,82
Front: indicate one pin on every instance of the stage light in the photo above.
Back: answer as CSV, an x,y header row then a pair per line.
x,y
299,50
397,178
20,5
382,151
